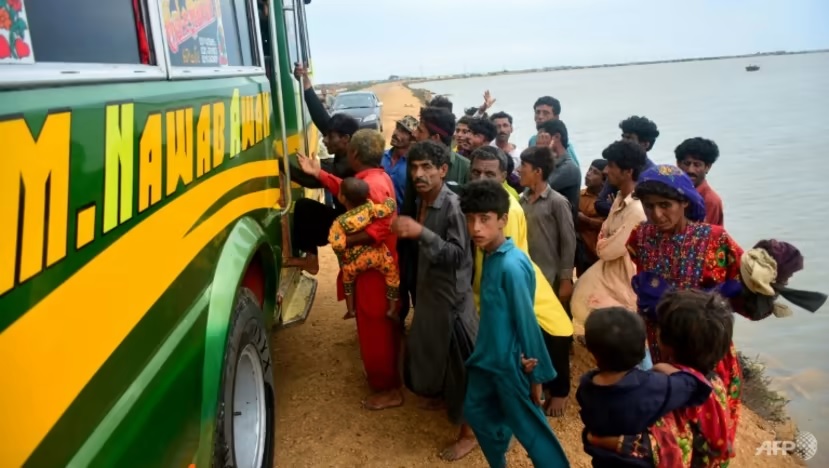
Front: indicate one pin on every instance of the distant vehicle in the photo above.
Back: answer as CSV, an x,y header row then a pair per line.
x,y
751,68
363,106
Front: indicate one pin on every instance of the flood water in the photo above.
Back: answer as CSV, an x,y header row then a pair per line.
x,y
772,128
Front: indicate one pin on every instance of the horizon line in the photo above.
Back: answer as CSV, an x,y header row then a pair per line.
x,y
450,76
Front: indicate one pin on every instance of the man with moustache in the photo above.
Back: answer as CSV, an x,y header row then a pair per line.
x,y
503,125
548,108
436,124
445,326
695,156
394,160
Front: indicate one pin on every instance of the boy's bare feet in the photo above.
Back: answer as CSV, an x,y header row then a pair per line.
x,y
555,406
349,314
465,443
383,400
309,263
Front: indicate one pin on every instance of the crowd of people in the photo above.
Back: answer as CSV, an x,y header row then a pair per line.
x,y
484,243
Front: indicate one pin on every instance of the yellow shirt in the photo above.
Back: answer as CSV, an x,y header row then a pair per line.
x,y
548,310
510,190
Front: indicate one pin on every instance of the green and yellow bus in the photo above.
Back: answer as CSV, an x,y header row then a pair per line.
x,y
144,213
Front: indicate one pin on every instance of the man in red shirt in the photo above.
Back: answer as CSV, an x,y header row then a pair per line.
x,y
695,156
378,336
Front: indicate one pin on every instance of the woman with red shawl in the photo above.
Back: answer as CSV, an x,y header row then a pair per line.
x,y
379,337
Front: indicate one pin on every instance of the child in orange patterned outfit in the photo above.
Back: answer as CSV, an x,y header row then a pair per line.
x,y
355,260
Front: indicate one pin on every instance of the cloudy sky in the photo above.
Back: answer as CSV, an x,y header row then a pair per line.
x,y
372,39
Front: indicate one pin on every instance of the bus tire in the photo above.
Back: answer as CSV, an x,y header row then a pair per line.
x,y
245,416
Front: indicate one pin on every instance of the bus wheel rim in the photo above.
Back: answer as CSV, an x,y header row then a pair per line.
x,y
249,410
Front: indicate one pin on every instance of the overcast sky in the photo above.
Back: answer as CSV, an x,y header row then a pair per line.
x,y
372,39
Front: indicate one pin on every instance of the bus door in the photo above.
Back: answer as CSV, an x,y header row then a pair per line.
x,y
296,290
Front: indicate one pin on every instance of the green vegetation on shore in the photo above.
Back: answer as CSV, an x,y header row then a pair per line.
x,y
422,95
757,393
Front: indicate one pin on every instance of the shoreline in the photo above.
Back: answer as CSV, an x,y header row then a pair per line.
x,y
357,85
764,415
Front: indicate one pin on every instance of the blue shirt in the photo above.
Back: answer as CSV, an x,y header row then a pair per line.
x,y
570,149
397,172
603,201
508,327
631,406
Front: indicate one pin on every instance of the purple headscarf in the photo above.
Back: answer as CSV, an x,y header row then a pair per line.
x,y
674,178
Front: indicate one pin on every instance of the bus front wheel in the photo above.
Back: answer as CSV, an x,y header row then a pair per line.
x,y
245,417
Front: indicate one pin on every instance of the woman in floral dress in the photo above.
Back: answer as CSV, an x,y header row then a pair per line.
x,y
674,250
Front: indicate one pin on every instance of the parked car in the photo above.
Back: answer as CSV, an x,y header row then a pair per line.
x,y
363,106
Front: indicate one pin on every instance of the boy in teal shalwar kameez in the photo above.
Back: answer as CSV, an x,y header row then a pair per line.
x,y
501,399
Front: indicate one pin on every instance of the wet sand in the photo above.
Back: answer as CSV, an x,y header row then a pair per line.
x,y
320,383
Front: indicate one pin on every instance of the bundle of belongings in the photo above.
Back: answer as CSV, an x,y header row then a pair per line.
x,y
765,271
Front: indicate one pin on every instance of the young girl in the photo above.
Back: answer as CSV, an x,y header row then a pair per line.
x,y
694,332
619,398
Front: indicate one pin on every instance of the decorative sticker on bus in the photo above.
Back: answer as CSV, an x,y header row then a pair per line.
x,y
194,31
15,40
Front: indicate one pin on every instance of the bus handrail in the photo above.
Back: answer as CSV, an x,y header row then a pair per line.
x,y
303,55
284,136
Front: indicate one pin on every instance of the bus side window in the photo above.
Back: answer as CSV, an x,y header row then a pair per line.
x,y
264,30
291,32
87,31
237,18
264,26
210,33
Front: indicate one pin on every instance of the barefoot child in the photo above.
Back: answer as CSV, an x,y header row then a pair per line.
x,y
619,398
501,400
355,260
695,331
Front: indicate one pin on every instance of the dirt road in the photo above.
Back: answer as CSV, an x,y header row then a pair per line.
x,y
320,383
320,422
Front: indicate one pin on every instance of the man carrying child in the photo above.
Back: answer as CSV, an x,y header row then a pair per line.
x,y
358,259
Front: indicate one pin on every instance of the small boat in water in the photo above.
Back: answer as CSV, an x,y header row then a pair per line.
x,y
752,68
